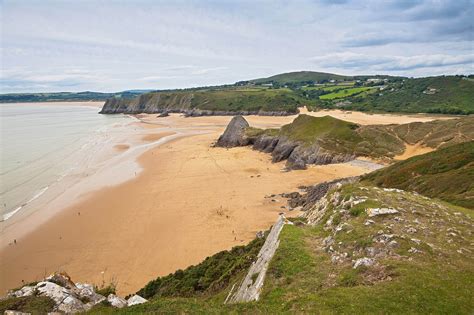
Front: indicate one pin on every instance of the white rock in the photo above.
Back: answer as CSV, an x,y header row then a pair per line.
x,y
8,312
25,291
116,301
372,212
64,298
86,291
369,222
363,262
136,299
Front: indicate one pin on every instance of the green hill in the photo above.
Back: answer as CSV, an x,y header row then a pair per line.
x,y
447,174
440,95
229,100
302,76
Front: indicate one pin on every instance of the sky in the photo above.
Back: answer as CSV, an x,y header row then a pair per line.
x,y
108,46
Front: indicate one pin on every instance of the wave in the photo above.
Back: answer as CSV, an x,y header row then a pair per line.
x,y
8,215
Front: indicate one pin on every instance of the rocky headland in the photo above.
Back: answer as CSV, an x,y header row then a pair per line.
x,y
327,140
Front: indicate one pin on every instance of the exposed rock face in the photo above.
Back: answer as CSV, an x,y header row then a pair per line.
x,y
234,134
154,103
315,193
297,154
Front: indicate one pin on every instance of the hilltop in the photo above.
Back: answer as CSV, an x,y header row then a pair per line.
x,y
302,77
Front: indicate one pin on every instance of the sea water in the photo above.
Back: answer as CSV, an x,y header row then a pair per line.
x,y
41,143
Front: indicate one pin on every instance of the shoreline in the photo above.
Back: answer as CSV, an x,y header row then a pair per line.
x,y
189,199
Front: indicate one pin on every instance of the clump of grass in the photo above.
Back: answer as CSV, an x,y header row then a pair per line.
x,y
106,290
28,304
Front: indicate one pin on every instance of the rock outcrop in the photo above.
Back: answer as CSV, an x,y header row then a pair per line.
x,y
314,193
234,134
296,153
70,297
249,289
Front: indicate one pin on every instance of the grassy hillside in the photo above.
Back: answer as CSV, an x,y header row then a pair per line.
x,y
443,95
421,262
302,76
247,100
447,174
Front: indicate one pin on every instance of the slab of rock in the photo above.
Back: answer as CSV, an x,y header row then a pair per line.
x,y
234,134
372,212
135,300
116,301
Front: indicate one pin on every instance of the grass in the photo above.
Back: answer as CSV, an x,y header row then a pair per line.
x,y
31,304
453,95
302,76
210,276
447,174
343,93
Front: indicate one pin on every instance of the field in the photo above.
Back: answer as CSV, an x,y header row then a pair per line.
x,y
344,93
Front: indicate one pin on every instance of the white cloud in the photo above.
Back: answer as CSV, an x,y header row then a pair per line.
x,y
113,46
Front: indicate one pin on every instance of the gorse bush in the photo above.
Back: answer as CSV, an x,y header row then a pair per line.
x,y
211,275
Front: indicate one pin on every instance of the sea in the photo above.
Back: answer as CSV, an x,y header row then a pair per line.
x,y
42,143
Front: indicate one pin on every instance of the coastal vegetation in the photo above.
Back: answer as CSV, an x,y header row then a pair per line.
x,y
446,174
67,96
413,261
325,140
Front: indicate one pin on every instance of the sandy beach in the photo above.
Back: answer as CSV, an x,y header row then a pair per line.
x,y
188,201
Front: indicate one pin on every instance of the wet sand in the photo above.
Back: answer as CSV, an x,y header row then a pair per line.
x,y
190,201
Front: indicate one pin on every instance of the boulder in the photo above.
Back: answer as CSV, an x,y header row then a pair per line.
x,y
61,279
64,298
234,134
135,300
116,301
87,293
